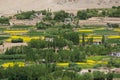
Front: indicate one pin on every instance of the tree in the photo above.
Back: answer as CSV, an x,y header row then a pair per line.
x,y
83,39
41,25
4,21
109,76
72,36
77,55
98,75
37,43
90,41
103,39
1,42
87,76
60,15
25,15
82,15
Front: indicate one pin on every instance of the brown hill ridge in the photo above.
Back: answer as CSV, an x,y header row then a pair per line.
x,y
12,6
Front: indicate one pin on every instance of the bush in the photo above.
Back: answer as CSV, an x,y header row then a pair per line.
x,y
61,15
4,20
109,76
87,76
1,42
19,40
98,75
97,65
25,15
16,50
11,57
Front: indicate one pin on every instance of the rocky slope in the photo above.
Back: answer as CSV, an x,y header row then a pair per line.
x,y
12,6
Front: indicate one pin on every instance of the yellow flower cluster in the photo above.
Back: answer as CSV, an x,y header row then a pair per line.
x,y
12,64
88,62
114,37
95,37
86,30
90,30
118,30
15,32
62,64
25,38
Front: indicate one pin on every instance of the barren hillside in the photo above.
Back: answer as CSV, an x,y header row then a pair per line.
x,y
12,6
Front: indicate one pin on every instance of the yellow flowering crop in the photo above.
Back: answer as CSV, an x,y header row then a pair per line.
x,y
98,37
114,37
91,61
25,38
11,64
86,30
118,30
14,32
88,62
62,64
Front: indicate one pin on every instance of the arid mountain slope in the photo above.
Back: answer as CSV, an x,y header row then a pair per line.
x,y
12,6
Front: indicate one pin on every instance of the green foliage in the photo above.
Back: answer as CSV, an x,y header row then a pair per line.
x,y
74,67
12,57
21,27
97,50
90,41
103,39
1,42
61,15
19,40
42,25
98,75
85,14
116,75
114,63
25,15
15,50
110,25
87,76
82,15
4,20
3,37
83,39
72,36
37,43
67,26
59,42
78,55
109,76
110,41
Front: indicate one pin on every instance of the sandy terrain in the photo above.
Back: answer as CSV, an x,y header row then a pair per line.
x,y
12,6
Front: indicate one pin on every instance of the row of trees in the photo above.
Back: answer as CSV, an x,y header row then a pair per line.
x,y
49,72
38,50
85,14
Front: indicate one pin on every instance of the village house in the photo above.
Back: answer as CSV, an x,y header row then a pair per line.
x,y
115,54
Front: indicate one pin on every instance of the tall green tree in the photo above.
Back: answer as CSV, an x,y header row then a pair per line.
x,y
72,36
83,39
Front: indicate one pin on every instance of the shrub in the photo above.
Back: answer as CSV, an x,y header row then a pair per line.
x,y
98,75
12,57
4,20
1,42
19,40
109,76
25,15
